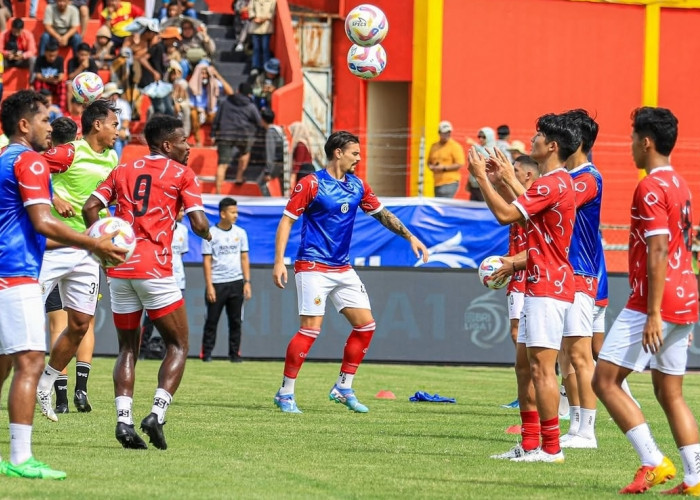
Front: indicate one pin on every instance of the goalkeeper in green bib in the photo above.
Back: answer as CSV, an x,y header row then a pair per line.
x,y
77,168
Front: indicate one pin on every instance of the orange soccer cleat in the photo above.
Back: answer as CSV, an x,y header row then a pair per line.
x,y
648,476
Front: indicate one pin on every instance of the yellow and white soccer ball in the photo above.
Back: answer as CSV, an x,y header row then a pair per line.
x,y
366,62
489,266
87,87
125,238
366,25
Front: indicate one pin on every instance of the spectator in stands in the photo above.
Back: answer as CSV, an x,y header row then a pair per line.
x,y
49,74
185,7
486,142
302,153
181,98
103,52
54,111
517,149
275,147
240,23
18,46
261,24
5,14
206,86
264,84
84,11
81,62
114,94
196,44
152,63
75,113
234,125
117,15
503,141
171,38
62,24
445,160
173,16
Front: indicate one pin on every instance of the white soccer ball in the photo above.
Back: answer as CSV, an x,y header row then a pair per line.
x,y
366,25
366,62
489,266
125,238
87,87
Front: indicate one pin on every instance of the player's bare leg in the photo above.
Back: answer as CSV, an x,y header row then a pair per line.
x,y
124,377
569,403
544,378
514,325
5,369
582,430
58,320
596,346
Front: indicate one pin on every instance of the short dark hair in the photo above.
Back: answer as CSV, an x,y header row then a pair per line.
x,y
658,124
17,23
17,107
64,130
587,126
338,140
267,115
526,161
503,131
227,202
96,110
557,128
245,88
52,44
83,46
160,128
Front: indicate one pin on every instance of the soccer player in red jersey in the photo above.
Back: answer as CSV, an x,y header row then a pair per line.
x,y
149,193
329,200
547,209
654,326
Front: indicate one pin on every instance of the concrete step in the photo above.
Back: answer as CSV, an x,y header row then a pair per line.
x,y
216,31
224,44
215,18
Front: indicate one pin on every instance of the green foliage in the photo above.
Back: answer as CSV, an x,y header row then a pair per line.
x,y
227,440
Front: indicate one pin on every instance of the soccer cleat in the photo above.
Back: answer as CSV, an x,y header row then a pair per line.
x,y
150,426
515,452
537,455
565,437
348,398
513,405
684,489
648,476
578,442
61,408
286,403
81,402
33,469
129,438
43,398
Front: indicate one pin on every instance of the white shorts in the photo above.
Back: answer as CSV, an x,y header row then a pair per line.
x,y
542,322
515,304
128,296
77,275
579,318
22,319
623,345
599,319
344,289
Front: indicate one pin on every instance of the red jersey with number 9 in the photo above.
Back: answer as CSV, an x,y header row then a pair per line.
x,y
661,206
149,193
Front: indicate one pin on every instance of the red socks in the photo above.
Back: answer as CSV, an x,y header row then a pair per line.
x,y
550,435
297,350
530,430
356,347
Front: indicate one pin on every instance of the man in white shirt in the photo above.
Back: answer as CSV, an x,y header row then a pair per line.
x,y
227,279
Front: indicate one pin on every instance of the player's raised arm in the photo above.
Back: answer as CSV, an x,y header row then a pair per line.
x,y
393,224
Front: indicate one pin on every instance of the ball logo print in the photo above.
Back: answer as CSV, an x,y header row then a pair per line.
x,y
125,237
489,266
366,25
87,87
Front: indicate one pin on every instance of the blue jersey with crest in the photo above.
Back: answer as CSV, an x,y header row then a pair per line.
x,y
586,246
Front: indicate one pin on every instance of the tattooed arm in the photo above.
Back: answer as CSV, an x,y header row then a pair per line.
x,y
393,224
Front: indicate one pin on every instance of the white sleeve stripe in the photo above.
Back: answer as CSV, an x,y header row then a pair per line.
x,y
195,208
521,209
656,232
99,196
381,207
290,215
37,201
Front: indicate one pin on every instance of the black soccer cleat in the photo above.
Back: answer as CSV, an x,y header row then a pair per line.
x,y
150,426
61,408
129,438
81,402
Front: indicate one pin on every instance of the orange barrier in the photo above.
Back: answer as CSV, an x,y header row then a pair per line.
x,y
287,101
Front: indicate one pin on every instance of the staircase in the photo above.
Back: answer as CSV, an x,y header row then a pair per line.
x,y
232,65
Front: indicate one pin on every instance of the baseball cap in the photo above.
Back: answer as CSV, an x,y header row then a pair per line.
x,y
518,146
110,89
445,127
170,32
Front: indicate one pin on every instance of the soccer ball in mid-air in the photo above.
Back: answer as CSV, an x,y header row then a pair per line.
x,y
87,87
366,25
489,266
366,62
125,238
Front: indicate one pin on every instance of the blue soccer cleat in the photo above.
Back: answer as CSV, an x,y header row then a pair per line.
x,y
286,403
347,397
514,405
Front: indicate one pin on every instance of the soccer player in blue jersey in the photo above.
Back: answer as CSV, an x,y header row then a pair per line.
x,y
584,255
25,223
329,200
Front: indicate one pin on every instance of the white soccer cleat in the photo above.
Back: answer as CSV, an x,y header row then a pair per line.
x,y
43,398
515,452
565,437
579,442
537,455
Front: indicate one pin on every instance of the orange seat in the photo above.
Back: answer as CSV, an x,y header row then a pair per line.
x,y
231,188
203,161
133,152
274,187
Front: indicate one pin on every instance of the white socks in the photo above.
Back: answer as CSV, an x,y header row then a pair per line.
x,y
690,455
345,380
644,444
48,377
20,443
161,401
575,420
587,427
124,409
287,386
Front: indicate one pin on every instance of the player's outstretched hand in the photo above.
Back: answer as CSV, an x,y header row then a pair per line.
x,y
419,249
63,208
279,274
500,165
107,251
652,337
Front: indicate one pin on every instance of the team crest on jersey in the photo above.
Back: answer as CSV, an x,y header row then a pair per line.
x,y
344,208
317,301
